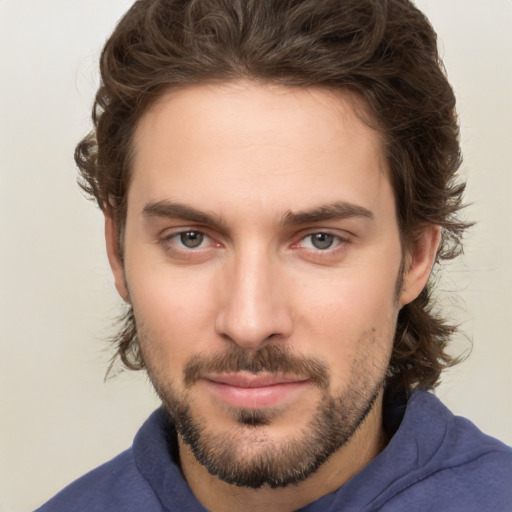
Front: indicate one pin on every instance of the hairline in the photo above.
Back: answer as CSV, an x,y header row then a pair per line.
x,y
360,105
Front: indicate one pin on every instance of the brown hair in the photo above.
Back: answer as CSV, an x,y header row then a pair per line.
x,y
384,50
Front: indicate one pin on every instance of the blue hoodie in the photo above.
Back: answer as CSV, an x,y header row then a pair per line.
x,y
434,462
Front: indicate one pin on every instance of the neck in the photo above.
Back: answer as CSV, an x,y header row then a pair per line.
x,y
350,459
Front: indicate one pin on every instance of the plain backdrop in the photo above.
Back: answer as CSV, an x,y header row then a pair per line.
x,y
57,300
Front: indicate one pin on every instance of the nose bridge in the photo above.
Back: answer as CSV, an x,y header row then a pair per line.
x,y
254,307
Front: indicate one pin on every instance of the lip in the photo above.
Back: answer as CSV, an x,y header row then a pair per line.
x,y
249,391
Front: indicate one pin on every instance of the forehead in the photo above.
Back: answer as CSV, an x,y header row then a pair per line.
x,y
268,148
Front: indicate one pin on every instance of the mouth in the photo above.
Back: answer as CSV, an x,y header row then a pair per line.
x,y
250,391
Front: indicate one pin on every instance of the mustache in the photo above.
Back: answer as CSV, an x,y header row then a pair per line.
x,y
269,359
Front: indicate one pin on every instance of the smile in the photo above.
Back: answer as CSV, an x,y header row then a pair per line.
x,y
249,391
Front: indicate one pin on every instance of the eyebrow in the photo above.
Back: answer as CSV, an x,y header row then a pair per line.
x,y
333,211
172,210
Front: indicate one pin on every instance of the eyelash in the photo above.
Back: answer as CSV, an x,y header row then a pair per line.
x,y
167,241
338,242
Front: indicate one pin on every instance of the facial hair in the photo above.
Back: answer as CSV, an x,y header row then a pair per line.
x,y
246,456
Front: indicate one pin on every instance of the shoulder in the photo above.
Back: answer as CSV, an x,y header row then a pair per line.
x,y
455,439
114,486
456,466
143,478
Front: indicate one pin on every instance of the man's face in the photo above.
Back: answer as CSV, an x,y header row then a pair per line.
x,y
263,262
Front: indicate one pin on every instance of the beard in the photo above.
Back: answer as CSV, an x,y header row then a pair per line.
x,y
246,455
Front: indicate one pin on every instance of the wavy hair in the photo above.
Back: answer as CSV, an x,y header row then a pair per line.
x,y
383,50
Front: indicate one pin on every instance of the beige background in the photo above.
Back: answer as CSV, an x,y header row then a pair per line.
x,y
58,417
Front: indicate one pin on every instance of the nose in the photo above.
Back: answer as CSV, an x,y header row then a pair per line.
x,y
255,307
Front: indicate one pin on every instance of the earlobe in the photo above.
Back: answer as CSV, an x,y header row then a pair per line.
x,y
419,263
114,257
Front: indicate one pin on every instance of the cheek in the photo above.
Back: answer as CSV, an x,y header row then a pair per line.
x,y
351,317
175,314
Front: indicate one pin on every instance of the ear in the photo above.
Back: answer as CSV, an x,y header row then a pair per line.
x,y
419,262
114,257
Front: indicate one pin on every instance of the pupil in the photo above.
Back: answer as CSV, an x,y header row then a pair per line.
x,y
322,240
191,239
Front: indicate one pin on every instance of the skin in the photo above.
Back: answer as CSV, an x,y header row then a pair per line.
x,y
256,161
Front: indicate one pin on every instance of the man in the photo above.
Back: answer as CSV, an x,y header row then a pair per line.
x,y
278,180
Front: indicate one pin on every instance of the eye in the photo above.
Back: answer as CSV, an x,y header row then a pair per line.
x,y
320,241
190,239
185,240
